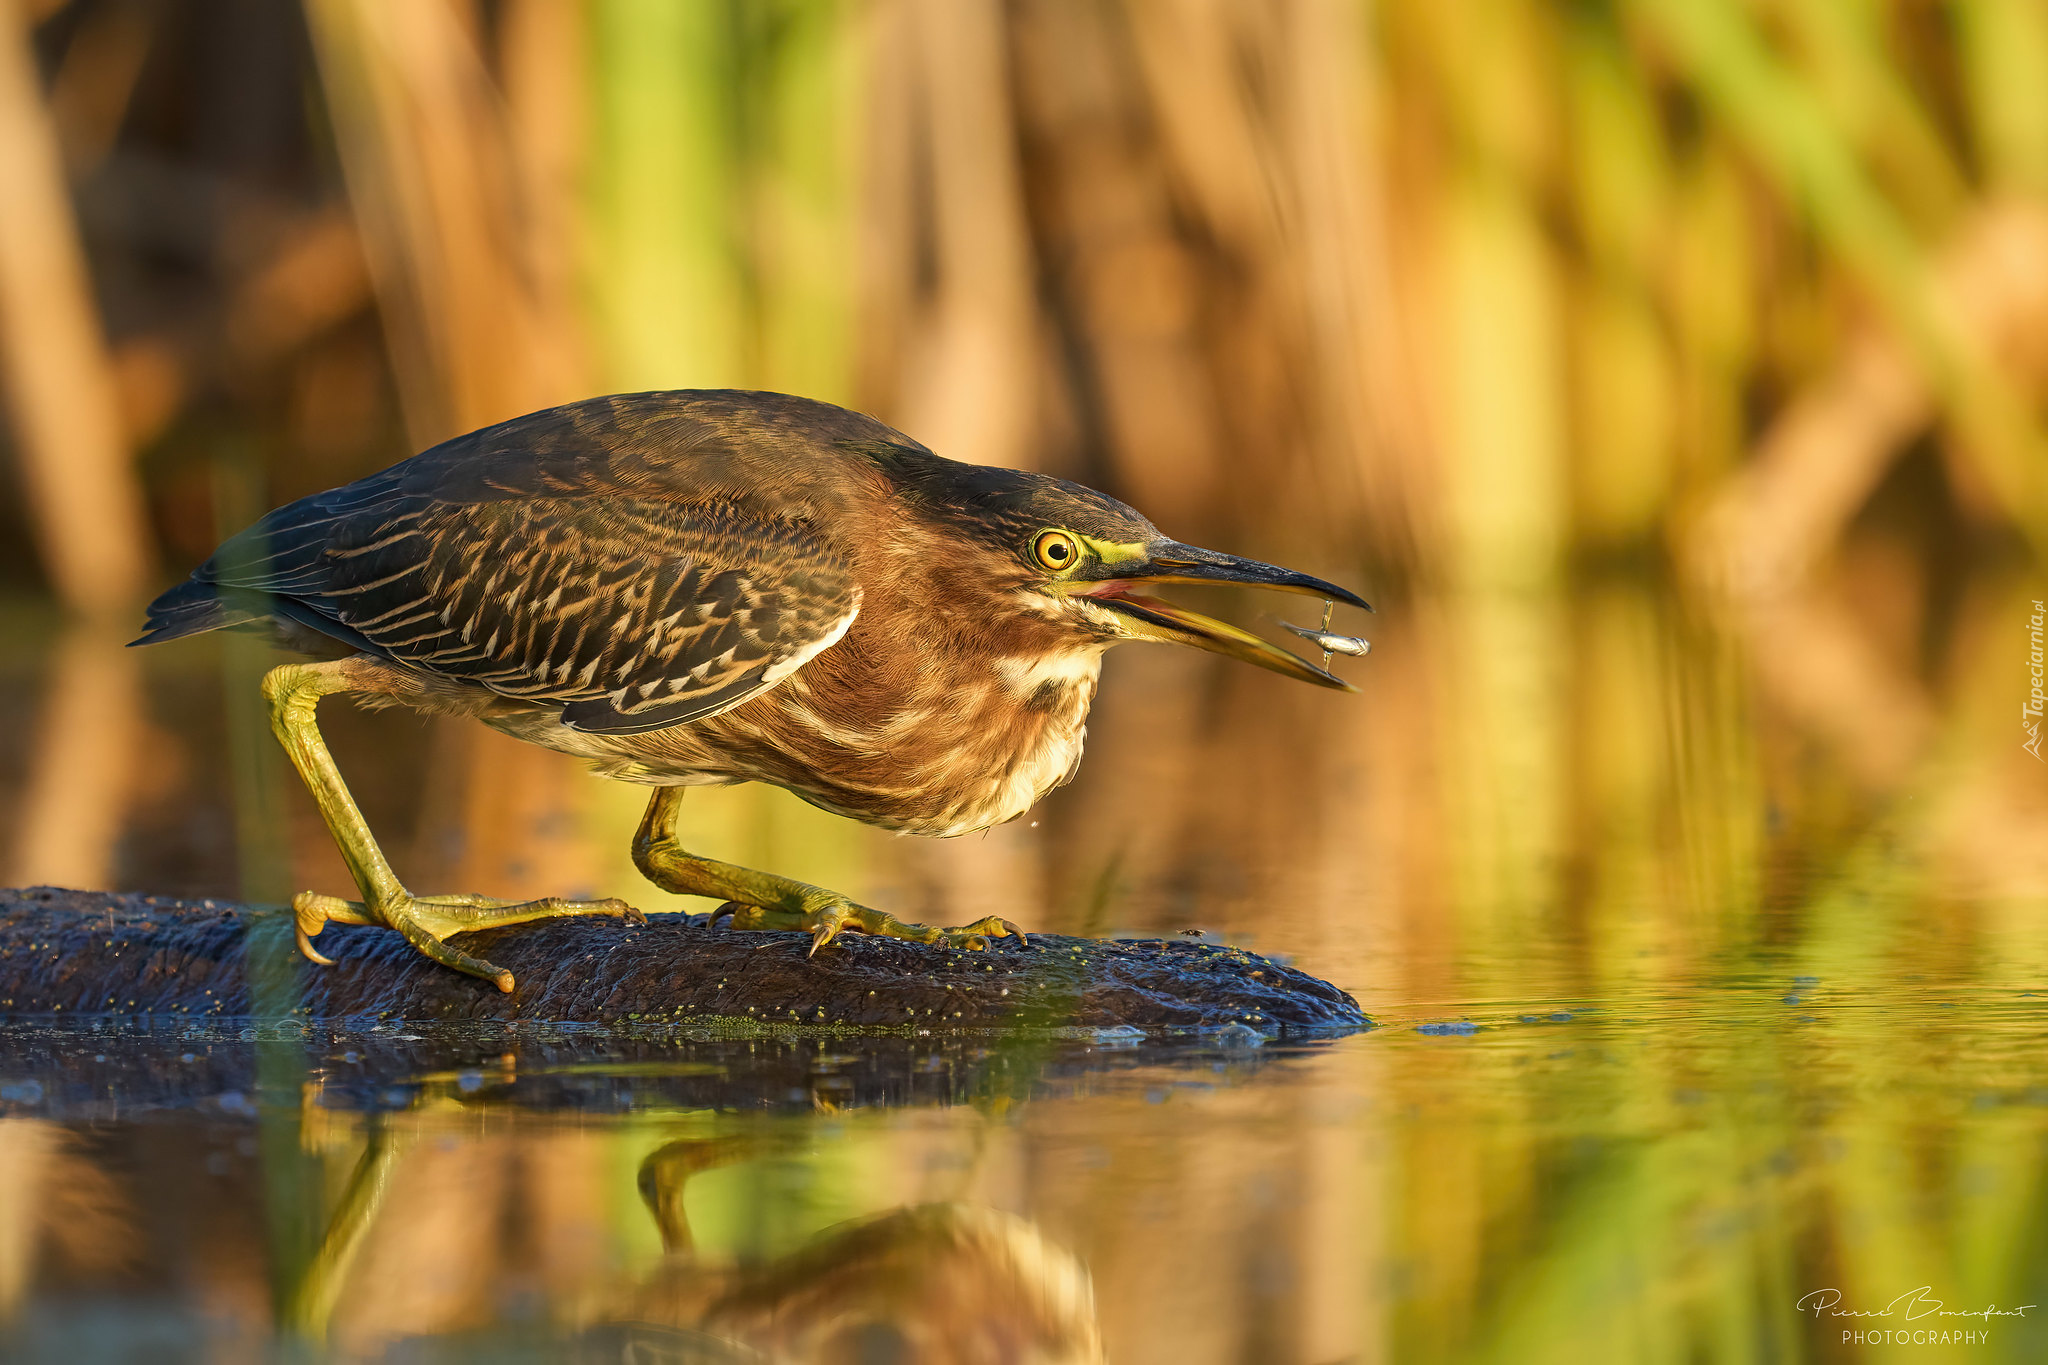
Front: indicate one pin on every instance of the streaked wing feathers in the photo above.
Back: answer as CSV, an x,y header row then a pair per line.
x,y
634,614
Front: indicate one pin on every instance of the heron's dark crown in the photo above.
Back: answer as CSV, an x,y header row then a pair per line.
x,y
1004,509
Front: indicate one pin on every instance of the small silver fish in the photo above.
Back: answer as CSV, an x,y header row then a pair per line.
x,y
1331,643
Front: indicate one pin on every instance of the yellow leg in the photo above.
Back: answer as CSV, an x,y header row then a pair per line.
x,y
293,692
669,1167
310,1309
762,900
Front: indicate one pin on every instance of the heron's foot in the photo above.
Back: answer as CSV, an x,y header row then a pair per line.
x,y
826,920
428,921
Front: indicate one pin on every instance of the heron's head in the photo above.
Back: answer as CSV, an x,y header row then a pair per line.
x,y
1067,553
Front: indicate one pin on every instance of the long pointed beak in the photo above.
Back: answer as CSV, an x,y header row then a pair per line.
x,y
1149,618
1169,561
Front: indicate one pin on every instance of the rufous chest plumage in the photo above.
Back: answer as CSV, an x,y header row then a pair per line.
x,y
956,745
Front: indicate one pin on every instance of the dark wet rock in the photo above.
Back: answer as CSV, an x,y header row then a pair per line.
x,y
100,953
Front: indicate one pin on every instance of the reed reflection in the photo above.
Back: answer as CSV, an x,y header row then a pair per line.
x,y
90,758
60,1209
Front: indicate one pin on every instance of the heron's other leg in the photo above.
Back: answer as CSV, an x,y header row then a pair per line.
x,y
669,1167
763,900
293,692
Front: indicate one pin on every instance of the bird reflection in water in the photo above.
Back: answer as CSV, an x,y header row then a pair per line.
x,y
931,1284
938,1283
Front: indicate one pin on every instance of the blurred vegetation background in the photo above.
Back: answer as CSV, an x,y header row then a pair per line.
x,y
1647,357
1671,372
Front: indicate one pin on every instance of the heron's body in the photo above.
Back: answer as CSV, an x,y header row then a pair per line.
x,y
896,747
900,742
711,587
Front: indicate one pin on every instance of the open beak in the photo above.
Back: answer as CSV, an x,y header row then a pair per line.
x,y
1167,561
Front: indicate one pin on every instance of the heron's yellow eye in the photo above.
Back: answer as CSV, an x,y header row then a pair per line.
x,y
1056,550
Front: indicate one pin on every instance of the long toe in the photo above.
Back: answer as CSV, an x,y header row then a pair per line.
x,y
448,956
427,922
976,936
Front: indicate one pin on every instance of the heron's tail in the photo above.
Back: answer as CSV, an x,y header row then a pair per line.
x,y
192,608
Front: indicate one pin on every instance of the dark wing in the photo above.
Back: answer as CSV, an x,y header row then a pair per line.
x,y
642,559
632,613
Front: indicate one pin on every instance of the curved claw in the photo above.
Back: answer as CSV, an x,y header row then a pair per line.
x,y
307,922
827,929
307,950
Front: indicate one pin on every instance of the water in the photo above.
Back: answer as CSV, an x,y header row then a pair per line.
x,y
1707,972
1630,1177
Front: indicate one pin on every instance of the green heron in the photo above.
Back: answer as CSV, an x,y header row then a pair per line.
x,y
702,588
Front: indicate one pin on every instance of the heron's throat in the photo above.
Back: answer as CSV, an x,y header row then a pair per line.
x,y
1040,678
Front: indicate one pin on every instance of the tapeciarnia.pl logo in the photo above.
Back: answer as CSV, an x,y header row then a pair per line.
x,y
2030,711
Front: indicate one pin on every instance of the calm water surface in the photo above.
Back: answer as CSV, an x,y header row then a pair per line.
x,y
1706,960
